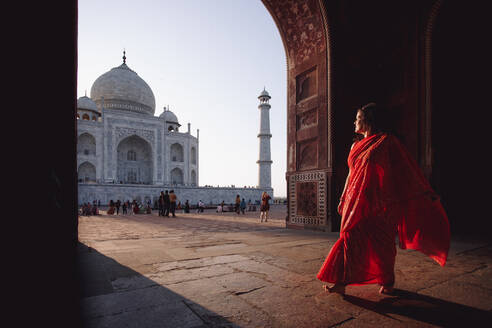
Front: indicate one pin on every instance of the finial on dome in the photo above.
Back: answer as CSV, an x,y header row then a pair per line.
x,y
86,92
124,57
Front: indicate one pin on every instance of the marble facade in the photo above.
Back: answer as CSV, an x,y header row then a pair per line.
x,y
125,152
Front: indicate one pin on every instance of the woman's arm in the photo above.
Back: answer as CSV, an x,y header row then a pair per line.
x,y
339,208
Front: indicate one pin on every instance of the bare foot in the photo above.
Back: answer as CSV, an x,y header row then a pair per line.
x,y
387,290
336,288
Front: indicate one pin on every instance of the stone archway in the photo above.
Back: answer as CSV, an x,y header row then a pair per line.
x,y
193,155
304,30
134,161
86,144
177,153
177,176
87,172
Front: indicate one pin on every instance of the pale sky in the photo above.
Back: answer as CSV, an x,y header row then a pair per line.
x,y
208,60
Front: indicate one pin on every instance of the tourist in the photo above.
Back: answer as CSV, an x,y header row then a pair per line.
x,y
130,207
187,207
135,207
85,210
124,208
118,204
111,208
94,210
243,205
172,202
237,204
200,207
161,204
250,206
385,193
166,203
264,206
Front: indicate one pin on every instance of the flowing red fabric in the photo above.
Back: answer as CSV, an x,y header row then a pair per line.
x,y
386,194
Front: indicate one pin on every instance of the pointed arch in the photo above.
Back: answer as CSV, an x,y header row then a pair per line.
x,y
177,153
177,176
134,161
86,144
86,172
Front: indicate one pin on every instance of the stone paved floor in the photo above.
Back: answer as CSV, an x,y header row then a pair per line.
x,y
225,270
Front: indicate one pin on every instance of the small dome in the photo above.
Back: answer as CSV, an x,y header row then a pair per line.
x,y
85,102
169,117
264,93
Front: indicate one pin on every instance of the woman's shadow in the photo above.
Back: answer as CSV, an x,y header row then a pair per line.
x,y
426,309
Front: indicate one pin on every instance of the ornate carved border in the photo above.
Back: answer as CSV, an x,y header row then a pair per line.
x,y
123,132
320,178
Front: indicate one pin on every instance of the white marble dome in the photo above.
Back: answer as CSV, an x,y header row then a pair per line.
x,y
169,117
85,102
121,88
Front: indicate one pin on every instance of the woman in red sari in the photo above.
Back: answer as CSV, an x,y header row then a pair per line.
x,y
385,194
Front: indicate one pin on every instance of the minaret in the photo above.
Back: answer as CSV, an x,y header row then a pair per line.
x,y
264,162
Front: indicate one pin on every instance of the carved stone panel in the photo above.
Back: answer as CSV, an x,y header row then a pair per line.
x,y
306,84
307,198
307,154
307,119
123,132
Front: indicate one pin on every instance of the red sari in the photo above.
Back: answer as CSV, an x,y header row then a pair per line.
x,y
386,194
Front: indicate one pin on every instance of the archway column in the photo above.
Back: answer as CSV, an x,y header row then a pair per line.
x,y
304,30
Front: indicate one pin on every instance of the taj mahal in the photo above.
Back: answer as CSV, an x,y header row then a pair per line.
x,y
125,152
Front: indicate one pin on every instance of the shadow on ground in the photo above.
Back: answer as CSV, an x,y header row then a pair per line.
x,y
147,304
427,309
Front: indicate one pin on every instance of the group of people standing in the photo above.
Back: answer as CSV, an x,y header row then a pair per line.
x,y
167,203
240,205
89,209
127,207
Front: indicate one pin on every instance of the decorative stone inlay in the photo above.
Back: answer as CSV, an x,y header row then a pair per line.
x,y
306,190
122,132
125,105
307,154
307,119
306,84
301,25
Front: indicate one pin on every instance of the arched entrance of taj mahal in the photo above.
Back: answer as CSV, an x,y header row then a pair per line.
x,y
341,55
134,161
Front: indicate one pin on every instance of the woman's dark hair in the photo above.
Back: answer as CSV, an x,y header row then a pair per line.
x,y
376,117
